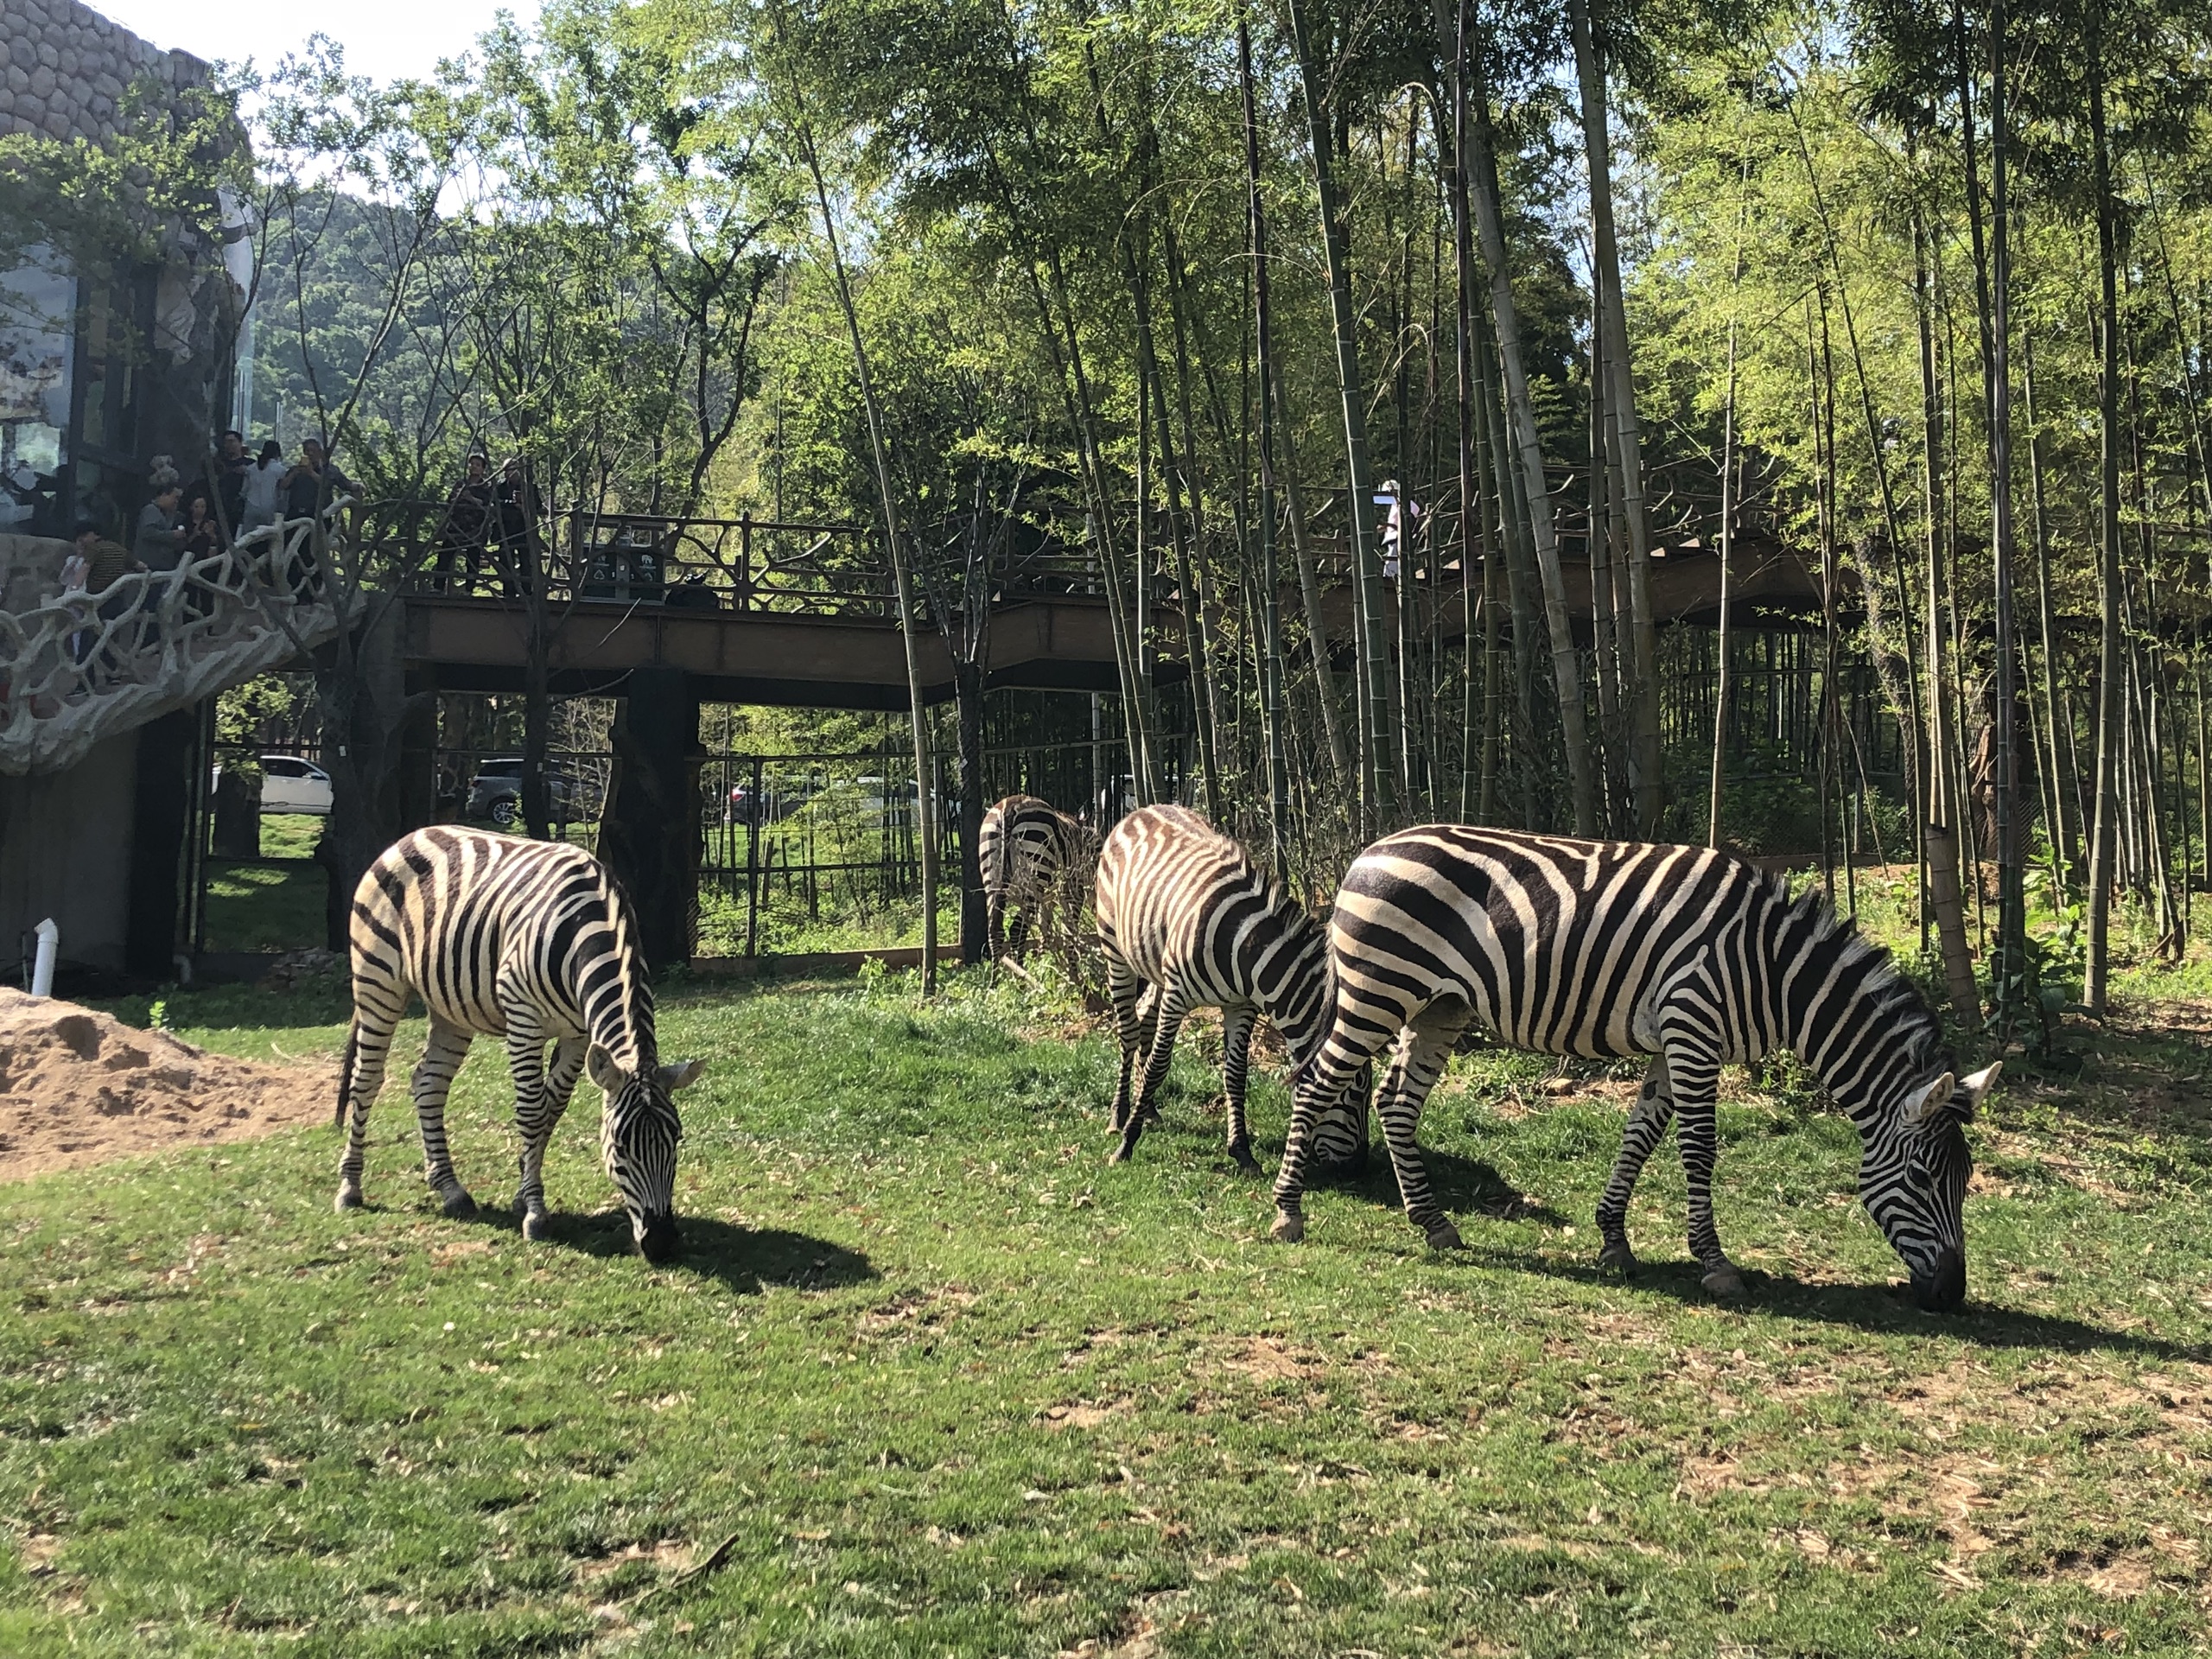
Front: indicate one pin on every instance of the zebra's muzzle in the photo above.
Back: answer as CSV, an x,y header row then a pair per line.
x,y
1945,1288
658,1239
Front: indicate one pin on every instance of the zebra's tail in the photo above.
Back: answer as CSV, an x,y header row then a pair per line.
x,y
346,1073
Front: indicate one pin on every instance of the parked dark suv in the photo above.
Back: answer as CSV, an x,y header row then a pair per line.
x,y
496,792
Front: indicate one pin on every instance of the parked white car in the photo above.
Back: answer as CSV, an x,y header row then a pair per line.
x,y
291,784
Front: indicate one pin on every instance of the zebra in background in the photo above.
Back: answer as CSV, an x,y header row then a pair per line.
x,y
1033,855
531,941
1187,921
1613,947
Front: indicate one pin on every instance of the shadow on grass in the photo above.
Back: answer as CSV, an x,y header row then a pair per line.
x,y
1462,1185
746,1260
1867,1307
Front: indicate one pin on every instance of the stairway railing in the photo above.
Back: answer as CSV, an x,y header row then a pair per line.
x,y
78,667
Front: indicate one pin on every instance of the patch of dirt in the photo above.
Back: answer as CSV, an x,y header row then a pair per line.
x,y
78,1087
912,1311
669,1555
1267,1360
1082,1415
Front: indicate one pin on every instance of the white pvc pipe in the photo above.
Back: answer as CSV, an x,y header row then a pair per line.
x,y
49,946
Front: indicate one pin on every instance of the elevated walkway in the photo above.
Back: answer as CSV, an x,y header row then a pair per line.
x,y
803,614
76,669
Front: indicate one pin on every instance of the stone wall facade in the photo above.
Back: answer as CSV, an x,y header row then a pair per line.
x,y
64,67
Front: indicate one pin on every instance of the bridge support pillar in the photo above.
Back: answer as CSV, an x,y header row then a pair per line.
x,y
650,835
418,755
161,817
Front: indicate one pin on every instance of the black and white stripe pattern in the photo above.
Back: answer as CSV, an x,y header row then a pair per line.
x,y
1613,947
1187,921
531,941
1031,856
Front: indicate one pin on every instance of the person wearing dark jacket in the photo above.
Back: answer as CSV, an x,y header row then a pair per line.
x,y
515,506
230,469
466,526
314,483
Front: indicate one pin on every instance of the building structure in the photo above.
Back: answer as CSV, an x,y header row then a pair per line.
x,y
112,353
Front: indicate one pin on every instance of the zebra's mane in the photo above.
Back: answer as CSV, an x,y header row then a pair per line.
x,y
1886,994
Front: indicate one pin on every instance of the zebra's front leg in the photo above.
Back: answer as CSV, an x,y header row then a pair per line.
x,y
1126,990
1695,1080
552,1095
1168,1013
1236,1059
1347,1050
1423,1052
1646,1128
441,1057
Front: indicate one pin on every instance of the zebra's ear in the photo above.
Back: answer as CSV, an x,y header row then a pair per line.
x,y
682,1075
600,1064
1919,1110
1978,1085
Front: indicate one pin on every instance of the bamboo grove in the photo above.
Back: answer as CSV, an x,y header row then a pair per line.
x,y
1399,352
1915,289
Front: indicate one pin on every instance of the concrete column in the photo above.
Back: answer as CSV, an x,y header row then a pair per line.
x,y
160,819
650,835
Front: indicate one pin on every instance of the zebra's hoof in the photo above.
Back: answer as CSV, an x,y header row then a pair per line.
x,y
1120,1155
536,1224
1244,1159
349,1197
1725,1281
458,1206
1443,1236
1617,1258
1288,1229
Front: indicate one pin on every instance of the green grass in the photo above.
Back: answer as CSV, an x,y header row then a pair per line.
x,y
946,1383
268,907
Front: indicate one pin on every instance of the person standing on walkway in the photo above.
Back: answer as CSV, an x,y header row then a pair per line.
x,y
466,526
258,489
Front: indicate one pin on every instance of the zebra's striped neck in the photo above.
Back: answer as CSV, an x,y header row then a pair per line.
x,y
1858,1023
617,1000
1293,984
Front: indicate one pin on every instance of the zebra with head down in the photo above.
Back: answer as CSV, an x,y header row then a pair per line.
x,y
1686,954
1187,921
531,941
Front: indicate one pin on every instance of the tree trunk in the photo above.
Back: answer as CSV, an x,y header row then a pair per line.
x,y
1993,285
975,912
1567,666
917,718
1640,690
1309,592
1942,802
1197,623
2104,830
1379,801
1271,664
2057,713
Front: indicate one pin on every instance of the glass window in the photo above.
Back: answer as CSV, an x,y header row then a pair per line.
x,y
37,303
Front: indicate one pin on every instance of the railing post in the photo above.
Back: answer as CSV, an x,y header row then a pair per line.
x,y
753,865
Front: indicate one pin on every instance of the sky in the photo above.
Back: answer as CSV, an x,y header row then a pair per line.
x,y
384,39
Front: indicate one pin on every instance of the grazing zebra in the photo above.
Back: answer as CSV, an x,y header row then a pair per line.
x,y
1188,922
1691,955
531,941
1031,854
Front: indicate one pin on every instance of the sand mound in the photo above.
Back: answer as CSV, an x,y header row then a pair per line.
x,y
79,1087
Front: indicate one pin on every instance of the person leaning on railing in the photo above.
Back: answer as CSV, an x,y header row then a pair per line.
x,y
97,566
312,485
